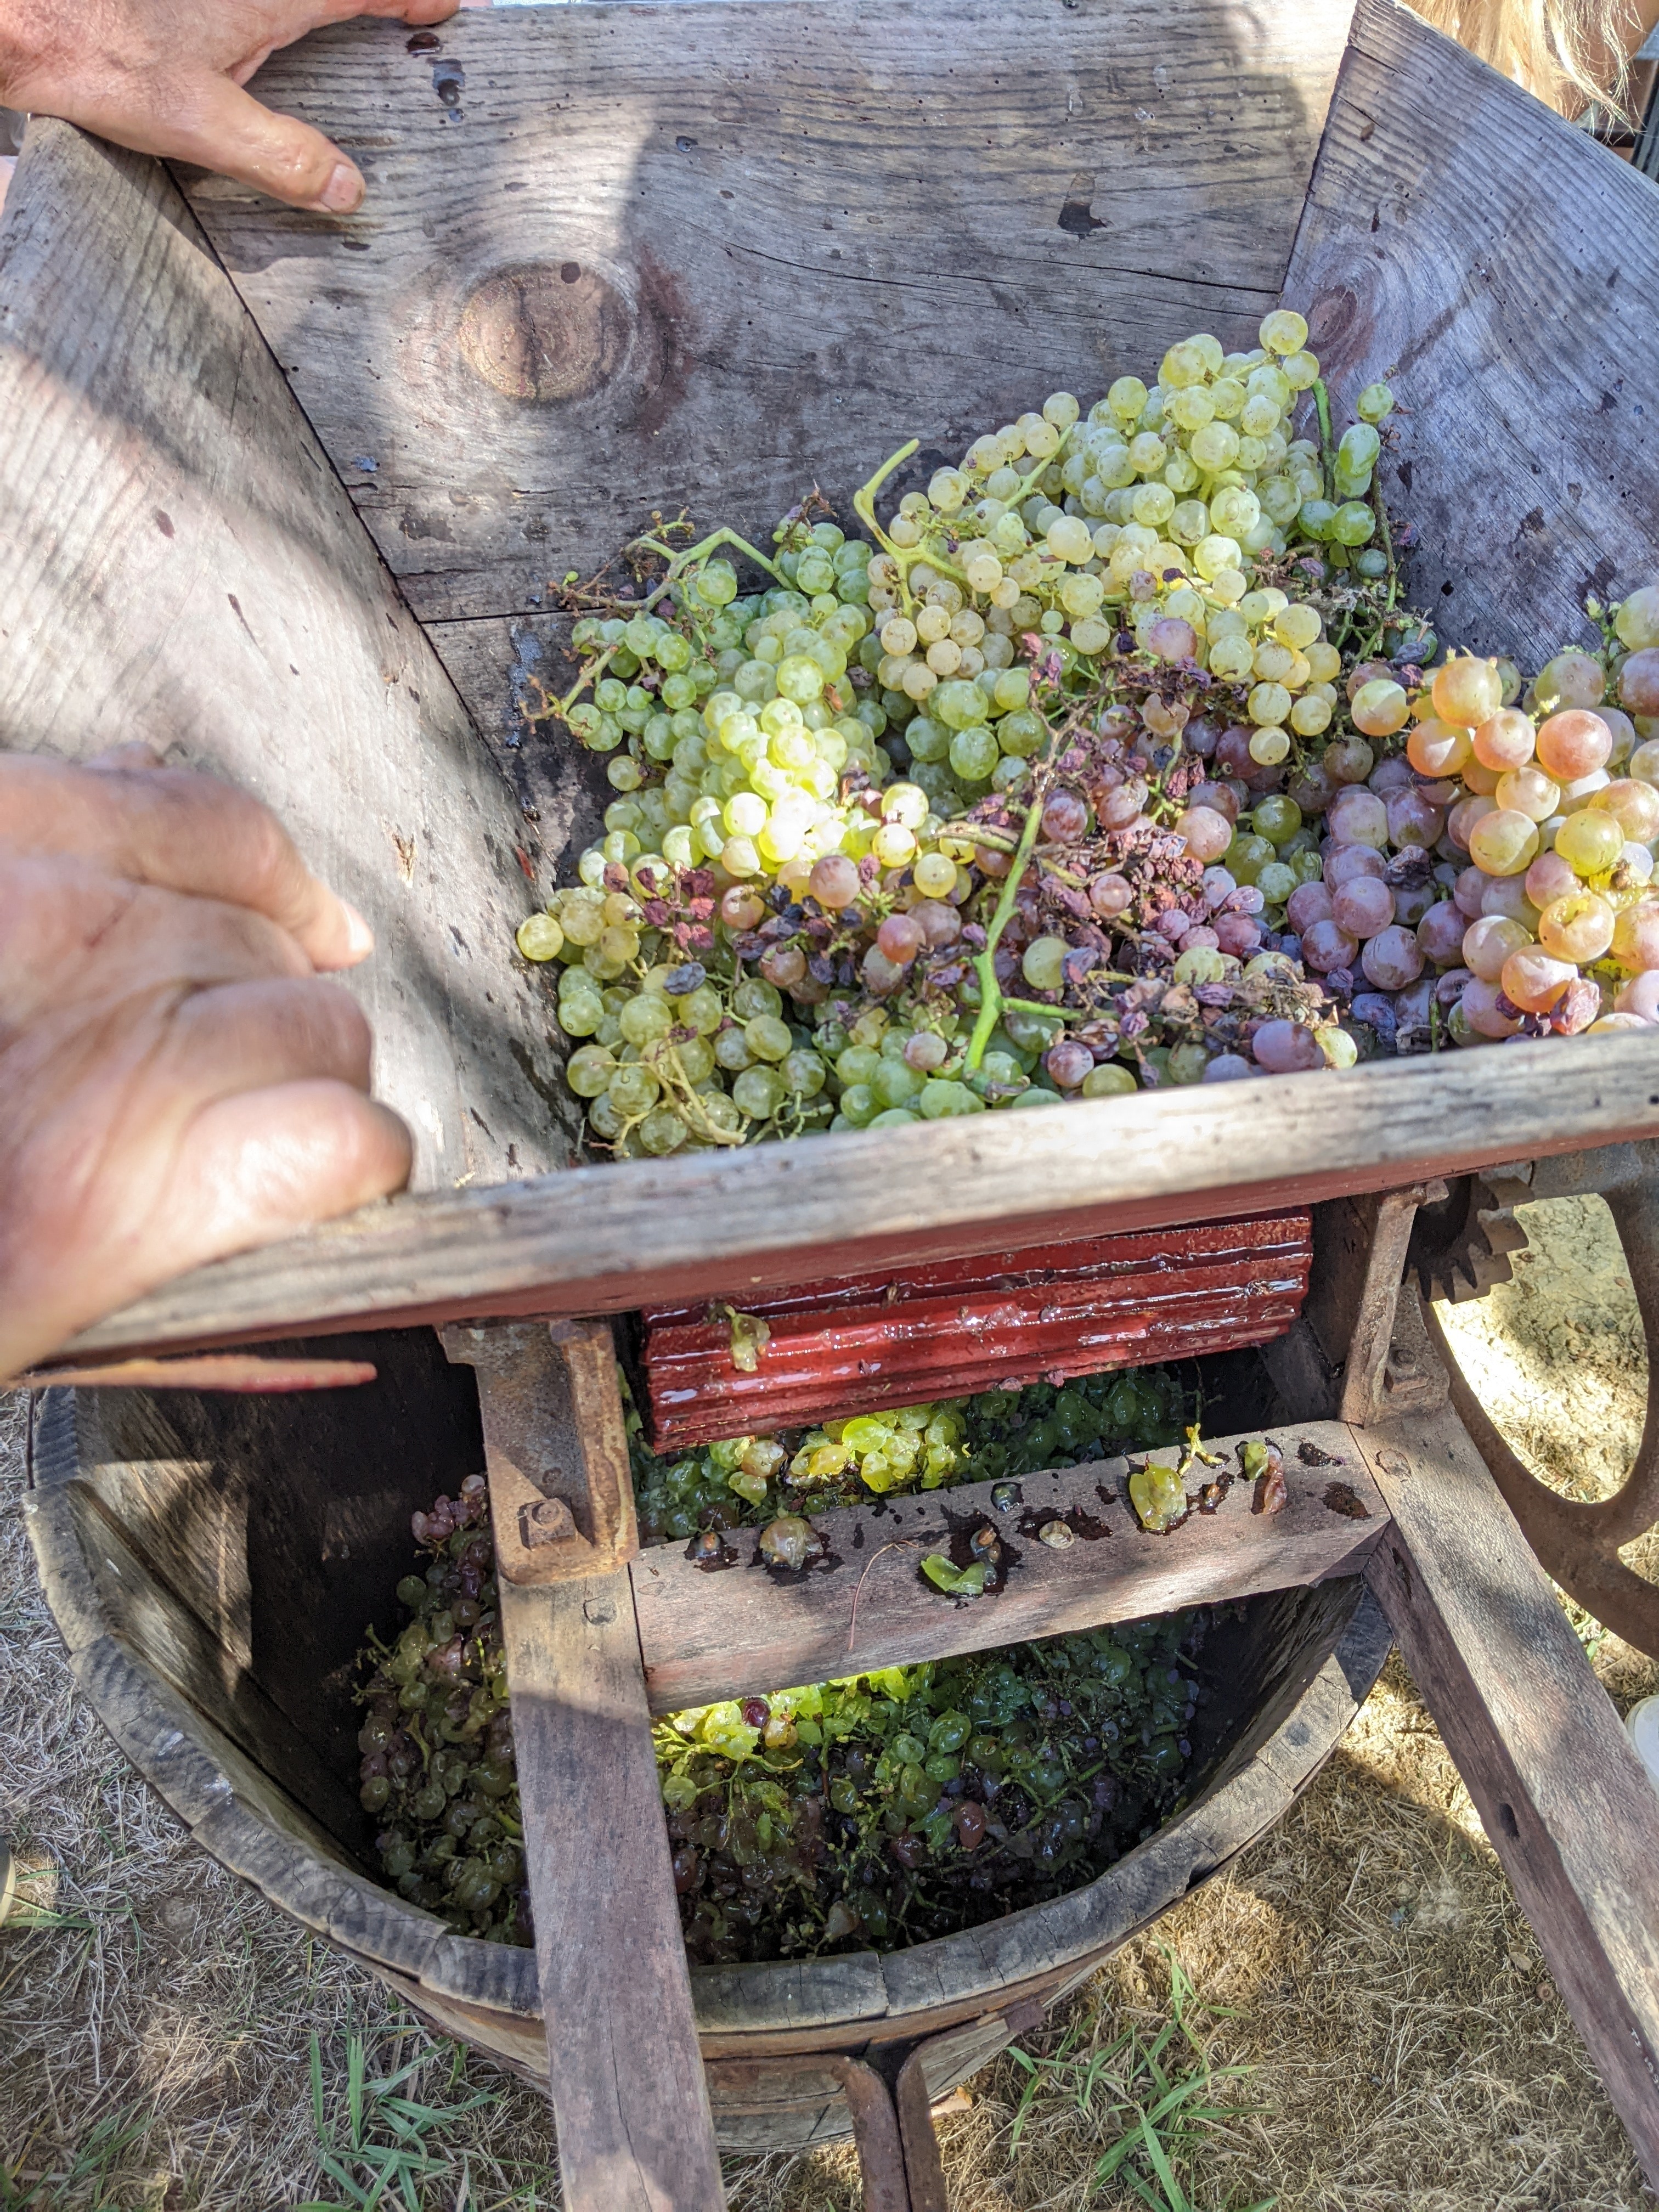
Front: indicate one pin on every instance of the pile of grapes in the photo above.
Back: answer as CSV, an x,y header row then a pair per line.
x,y
750,1480
1112,759
878,1811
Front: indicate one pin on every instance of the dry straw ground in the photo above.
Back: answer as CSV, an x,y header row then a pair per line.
x,y
168,2043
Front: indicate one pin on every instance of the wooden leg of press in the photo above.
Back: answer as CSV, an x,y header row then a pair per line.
x,y
629,2101
1566,1804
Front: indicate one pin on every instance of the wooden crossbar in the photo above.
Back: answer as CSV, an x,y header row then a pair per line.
x,y
751,1628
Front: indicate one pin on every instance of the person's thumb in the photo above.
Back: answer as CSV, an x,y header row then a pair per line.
x,y
222,128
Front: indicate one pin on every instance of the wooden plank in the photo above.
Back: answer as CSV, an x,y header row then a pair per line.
x,y
609,1238
630,2104
1565,1803
1502,273
749,1629
182,565
609,264
1054,1310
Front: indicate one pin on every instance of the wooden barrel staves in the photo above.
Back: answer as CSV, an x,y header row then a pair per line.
x,y
213,1563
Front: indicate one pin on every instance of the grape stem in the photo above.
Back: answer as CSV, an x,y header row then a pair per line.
x,y
1326,458
991,1000
677,564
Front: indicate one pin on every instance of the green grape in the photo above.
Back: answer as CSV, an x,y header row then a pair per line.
x,y
1353,523
759,1091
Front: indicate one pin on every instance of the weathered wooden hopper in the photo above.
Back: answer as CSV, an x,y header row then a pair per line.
x,y
283,495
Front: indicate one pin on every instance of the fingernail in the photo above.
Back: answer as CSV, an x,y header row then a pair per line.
x,y
343,191
360,938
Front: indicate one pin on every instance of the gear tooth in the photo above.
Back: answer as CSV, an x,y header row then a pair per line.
x,y
1503,1232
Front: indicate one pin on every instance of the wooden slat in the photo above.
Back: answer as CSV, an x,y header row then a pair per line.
x,y
1079,1309
747,1629
1502,272
605,1239
630,2104
181,564
1565,1803
795,236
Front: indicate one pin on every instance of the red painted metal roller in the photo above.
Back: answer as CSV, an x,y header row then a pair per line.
x,y
1051,1311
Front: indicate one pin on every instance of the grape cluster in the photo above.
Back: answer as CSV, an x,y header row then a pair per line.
x,y
1109,760
749,1481
436,1742
893,1807
1039,1763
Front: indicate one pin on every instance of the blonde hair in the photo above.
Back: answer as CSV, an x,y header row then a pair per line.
x,y
1569,53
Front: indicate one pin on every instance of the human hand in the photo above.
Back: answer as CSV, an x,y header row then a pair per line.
x,y
179,1082
165,77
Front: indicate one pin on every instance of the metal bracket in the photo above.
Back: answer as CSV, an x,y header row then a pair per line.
x,y
555,1445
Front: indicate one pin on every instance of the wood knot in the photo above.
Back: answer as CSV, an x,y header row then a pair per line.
x,y
545,333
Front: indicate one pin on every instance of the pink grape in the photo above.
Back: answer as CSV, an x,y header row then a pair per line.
x,y
882,976
900,937
1507,894
1464,816
1437,748
1440,933
1219,797
1413,822
1232,749
1068,1062
1573,744
1640,995
1109,895
1208,833
784,965
1578,927
1390,775
1364,672
1170,638
1634,806
1362,906
1534,980
1326,946
1117,809
937,921
1548,879
1200,937
1636,936
1344,862
1358,817
834,883
1504,842
1506,741
1470,887
1393,958
1488,943
1307,904
1286,1049
1065,816
1638,682
1227,1067
1350,760
1239,934
1467,691
1479,1003
1529,791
